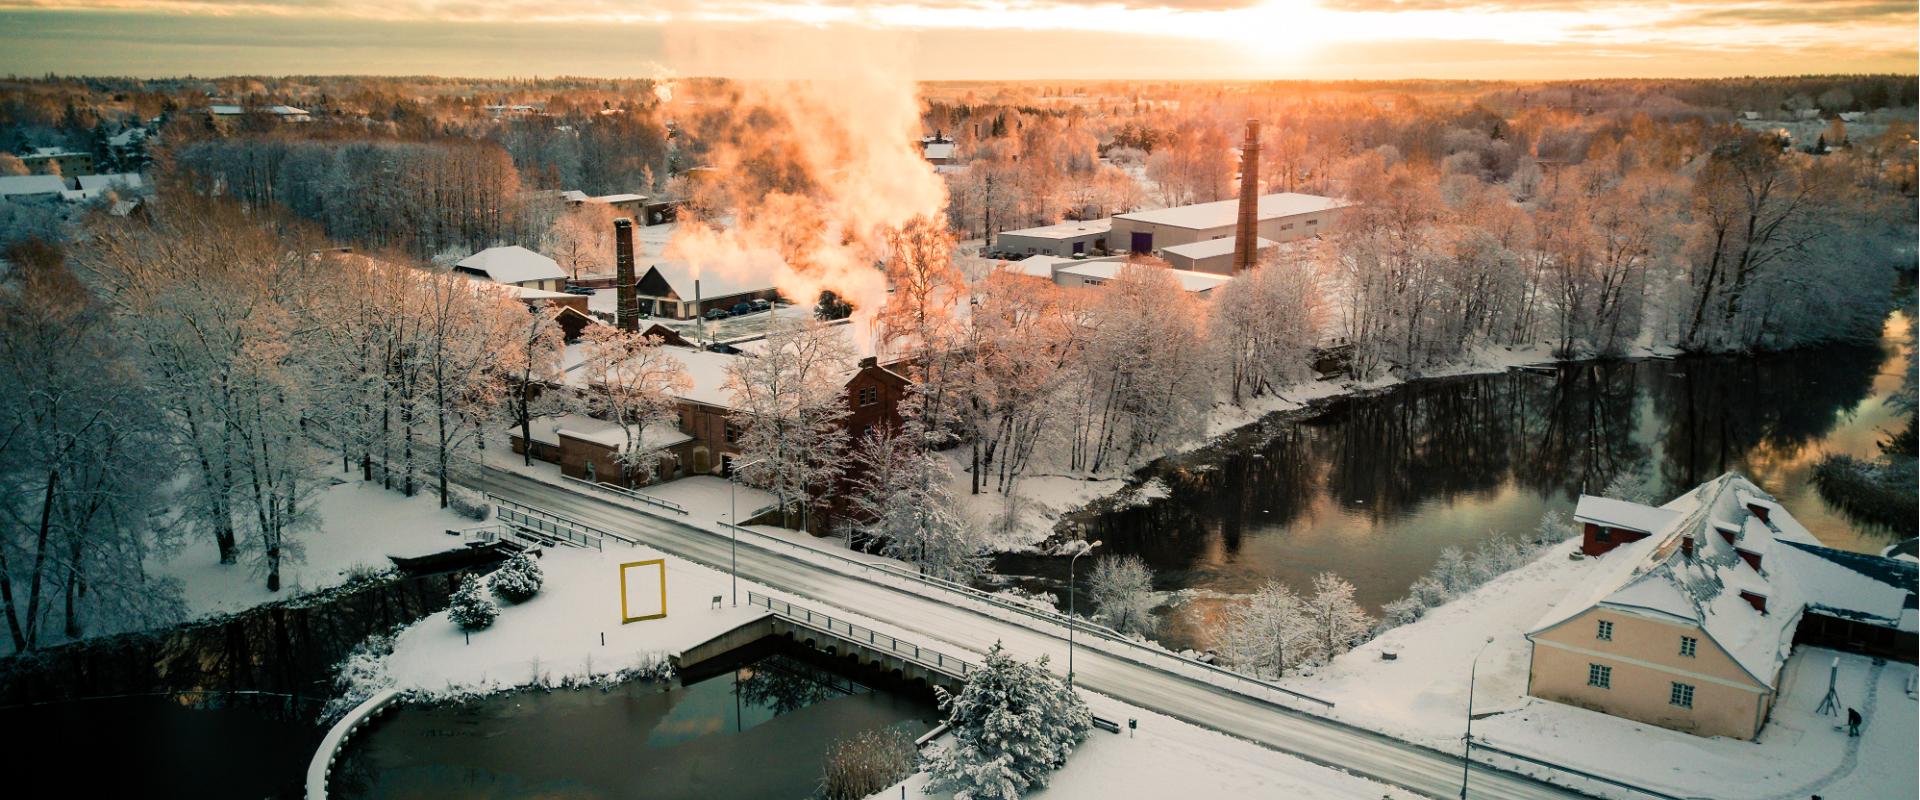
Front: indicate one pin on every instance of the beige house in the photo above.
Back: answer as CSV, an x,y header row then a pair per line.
x,y
1691,615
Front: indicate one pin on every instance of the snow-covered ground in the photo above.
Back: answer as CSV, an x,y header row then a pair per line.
x,y
1167,758
360,524
1422,696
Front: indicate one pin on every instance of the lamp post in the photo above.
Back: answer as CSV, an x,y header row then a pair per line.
x,y
733,522
1073,617
1466,761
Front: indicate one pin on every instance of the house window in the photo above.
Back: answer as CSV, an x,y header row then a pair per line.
x,y
1600,675
1313,222
1605,633
1688,646
1287,227
1603,534
732,433
1092,282
869,395
1682,695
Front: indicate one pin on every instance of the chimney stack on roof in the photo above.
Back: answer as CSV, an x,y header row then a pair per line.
x,y
1246,231
627,312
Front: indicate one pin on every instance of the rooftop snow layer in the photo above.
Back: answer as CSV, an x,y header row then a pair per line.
x,y
513,264
1225,213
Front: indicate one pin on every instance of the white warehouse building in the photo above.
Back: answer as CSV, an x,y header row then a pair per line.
x,y
1065,239
1283,217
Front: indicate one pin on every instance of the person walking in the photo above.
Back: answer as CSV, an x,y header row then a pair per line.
x,y
1853,723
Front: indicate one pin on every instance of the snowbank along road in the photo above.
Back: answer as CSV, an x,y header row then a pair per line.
x,y
1316,739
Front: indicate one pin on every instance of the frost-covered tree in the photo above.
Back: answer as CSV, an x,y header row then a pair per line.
x,y
1121,587
1268,634
1452,571
1337,621
1144,380
1023,339
1013,724
528,365
789,403
1266,325
633,380
901,501
470,607
517,580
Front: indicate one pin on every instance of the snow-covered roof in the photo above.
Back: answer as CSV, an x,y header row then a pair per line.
x,y
1065,230
706,372
512,264
18,185
1658,576
574,196
939,149
1107,270
1041,266
127,138
124,180
713,282
1213,248
229,110
619,198
54,152
548,430
1224,213
1622,514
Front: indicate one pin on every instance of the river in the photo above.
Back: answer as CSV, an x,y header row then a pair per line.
x,y
1373,487
759,731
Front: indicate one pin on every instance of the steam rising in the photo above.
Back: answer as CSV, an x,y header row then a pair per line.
x,y
840,110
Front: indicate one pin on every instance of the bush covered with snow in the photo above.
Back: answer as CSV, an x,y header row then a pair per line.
x,y
1457,572
1013,724
471,608
518,580
468,504
361,673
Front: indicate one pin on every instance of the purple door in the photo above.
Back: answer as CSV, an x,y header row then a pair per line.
x,y
1142,242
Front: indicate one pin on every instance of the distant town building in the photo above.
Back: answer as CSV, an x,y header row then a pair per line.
x,y
938,150
630,204
31,188
1100,271
1691,613
1065,239
58,161
1213,255
515,266
672,289
1282,217
279,112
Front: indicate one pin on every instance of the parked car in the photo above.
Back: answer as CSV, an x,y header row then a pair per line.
x,y
762,305
718,313
742,309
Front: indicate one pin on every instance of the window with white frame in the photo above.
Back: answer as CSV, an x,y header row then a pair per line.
x,y
1689,646
1600,675
1682,695
1605,631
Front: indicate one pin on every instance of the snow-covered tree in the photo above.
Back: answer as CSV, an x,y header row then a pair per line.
x,y
1013,724
1144,381
1023,339
1337,621
470,607
517,580
900,500
633,380
1268,634
790,402
1121,587
530,364
1452,571
1266,325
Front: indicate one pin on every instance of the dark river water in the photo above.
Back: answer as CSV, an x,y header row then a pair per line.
x,y
760,731
1374,487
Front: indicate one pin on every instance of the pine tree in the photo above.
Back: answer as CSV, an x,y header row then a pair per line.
x,y
518,580
1013,723
470,607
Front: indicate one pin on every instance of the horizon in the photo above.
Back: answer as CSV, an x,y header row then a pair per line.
x,y
970,40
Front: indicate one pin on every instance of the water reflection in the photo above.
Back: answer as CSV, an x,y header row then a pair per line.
x,y
1375,487
757,732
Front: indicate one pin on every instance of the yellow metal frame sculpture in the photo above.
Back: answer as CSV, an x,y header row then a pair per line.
x,y
659,562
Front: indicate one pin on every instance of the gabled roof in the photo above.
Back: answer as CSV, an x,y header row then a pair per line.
x,y
612,435
1717,520
14,185
512,264
679,275
1225,213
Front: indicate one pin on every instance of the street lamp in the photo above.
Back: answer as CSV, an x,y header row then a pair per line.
x,y
733,522
1466,765
1073,618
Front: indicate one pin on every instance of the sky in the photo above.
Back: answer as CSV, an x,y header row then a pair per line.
x,y
966,39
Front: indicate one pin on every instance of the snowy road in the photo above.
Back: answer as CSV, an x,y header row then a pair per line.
x,y
1315,739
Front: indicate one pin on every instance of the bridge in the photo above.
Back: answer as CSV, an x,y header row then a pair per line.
x,y
825,633
1286,724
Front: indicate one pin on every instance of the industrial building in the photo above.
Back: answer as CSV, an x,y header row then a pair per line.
x,y
1065,239
1280,217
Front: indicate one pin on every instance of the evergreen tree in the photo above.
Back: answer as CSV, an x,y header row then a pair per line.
x,y
518,580
1013,723
470,607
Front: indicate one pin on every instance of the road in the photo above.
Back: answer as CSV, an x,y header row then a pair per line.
x,y
1307,736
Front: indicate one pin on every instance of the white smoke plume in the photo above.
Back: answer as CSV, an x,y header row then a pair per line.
x,y
838,113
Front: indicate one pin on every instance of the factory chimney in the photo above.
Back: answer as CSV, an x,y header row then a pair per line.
x,y
627,308
1246,230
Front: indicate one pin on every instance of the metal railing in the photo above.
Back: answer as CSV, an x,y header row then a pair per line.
x,y
1248,685
1562,771
550,526
630,494
857,634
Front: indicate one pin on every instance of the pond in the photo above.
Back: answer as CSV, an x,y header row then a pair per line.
x,y
759,731
1374,487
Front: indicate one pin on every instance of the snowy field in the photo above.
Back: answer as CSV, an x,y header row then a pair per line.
x,y
1167,758
1421,696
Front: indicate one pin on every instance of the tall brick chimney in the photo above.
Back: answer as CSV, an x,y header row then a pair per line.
x,y
1246,230
627,310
